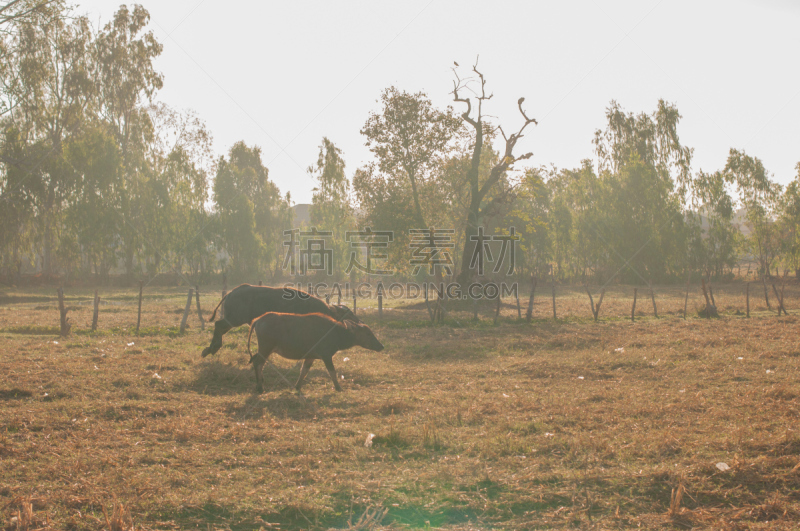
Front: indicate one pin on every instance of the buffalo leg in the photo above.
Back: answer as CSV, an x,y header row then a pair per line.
x,y
220,328
306,367
332,371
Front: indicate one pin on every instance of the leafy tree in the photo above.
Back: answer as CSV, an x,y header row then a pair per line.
x,y
14,16
403,189
51,90
96,161
653,139
386,205
17,215
15,11
790,223
177,228
644,231
758,195
646,175
559,224
531,215
713,247
331,202
247,204
586,245
126,78
409,137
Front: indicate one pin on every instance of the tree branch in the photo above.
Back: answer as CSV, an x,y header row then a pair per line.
x,y
456,86
508,156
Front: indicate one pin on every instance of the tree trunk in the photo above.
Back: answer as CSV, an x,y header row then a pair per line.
x,y
62,310
47,249
529,313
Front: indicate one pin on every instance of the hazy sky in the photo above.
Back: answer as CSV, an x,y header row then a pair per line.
x,y
281,75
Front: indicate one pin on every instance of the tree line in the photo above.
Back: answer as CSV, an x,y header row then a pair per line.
x,y
96,176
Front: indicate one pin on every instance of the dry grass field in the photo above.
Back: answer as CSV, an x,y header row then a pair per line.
x,y
568,423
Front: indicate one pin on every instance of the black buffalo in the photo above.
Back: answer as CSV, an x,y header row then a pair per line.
x,y
244,303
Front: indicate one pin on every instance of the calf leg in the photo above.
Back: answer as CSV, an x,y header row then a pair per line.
x,y
220,328
306,367
258,362
332,371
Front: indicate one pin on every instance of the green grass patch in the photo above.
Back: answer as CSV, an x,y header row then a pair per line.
x,y
39,330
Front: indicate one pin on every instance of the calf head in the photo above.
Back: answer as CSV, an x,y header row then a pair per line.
x,y
363,335
343,312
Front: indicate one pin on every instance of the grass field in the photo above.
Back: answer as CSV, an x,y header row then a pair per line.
x,y
568,423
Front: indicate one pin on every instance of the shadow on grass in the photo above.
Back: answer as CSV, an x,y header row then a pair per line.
x,y
22,299
443,353
37,330
14,394
219,379
286,405
296,516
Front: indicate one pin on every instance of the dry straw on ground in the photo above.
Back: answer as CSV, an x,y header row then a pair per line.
x,y
557,424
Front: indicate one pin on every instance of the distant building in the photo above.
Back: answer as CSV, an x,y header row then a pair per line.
x,y
302,214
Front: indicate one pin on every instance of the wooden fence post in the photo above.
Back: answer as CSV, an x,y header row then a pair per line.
x,y
747,292
199,311
519,308
62,310
529,313
633,308
474,309
554,300
380,301
339,299
260,283
783,285
766,295
497,311
328,298
139,314
354,302
96,312
653,297
186,310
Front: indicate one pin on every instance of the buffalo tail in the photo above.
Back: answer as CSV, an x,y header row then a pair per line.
x,y
214,314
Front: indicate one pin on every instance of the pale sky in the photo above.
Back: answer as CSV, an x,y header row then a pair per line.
x,y
283,75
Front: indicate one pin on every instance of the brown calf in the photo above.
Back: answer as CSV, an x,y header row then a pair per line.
x,y
306,337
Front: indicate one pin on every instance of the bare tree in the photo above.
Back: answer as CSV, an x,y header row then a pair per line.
x,y
478,190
